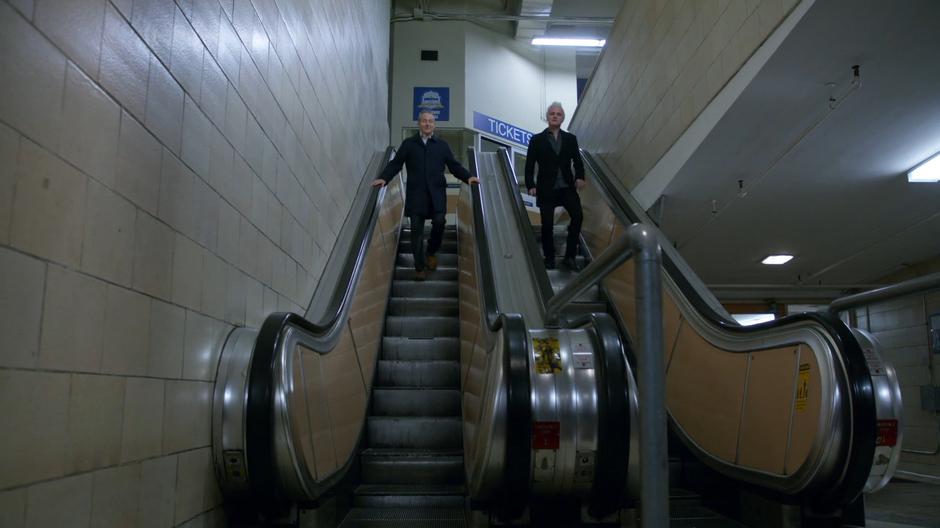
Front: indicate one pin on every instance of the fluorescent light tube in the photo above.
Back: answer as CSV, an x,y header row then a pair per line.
x,y
580,42
928,171
776,260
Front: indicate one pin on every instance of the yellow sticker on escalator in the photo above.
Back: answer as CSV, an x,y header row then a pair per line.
x,y
802,387
547,355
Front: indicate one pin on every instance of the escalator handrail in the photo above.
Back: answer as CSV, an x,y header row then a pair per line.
x,y
543,285
842,487
259,405
515,365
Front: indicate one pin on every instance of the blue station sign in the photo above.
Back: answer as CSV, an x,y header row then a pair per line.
x,y
502,129
435,99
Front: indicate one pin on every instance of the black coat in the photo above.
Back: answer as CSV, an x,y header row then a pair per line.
x,y
426,189
542,153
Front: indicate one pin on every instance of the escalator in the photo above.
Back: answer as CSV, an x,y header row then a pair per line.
x,y
425,403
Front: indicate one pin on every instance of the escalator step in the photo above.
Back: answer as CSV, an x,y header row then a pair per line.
x,y
440,274
448,247
398,496
428,288
395,466
444,260
427,374
418,306
415,432
405,518
415,402
403,348
422,327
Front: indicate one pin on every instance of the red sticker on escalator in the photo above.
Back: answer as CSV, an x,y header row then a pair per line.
x,y
887,433
546,435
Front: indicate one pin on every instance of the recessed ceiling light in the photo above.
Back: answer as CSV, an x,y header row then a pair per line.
x,y
581,42
928,171
776,260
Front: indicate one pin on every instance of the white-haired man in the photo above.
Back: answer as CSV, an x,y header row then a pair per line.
x,y
560,176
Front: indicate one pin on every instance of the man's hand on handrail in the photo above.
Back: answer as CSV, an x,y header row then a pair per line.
x,y
379,183
473,180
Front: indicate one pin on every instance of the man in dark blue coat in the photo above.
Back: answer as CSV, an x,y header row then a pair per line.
x,y
425,156
556,153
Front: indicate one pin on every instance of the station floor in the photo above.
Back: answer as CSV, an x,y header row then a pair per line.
x,y
904,504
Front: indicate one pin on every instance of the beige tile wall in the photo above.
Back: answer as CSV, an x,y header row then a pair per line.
x,y
663,63
168,170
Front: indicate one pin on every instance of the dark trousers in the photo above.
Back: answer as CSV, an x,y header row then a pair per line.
x,y
417,237
569,199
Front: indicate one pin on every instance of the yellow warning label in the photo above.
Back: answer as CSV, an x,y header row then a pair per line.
x,y
547,355
802,387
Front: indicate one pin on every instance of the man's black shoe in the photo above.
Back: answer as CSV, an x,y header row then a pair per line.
x,y
570,264
550,263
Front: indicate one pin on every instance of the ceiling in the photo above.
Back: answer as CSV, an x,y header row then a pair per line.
x,y
822,180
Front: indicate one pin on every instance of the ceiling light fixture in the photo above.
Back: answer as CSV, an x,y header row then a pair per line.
x,y
776,260
580,42
926,172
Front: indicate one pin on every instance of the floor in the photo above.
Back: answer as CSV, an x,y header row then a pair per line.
x,y
904,504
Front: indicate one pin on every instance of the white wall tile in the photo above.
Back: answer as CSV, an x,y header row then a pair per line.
x,y
164,113
143,419
229,222
204,339
72,339
213,89
126,333
139,163
207,203
205,18
71,497
188,272
213,296
154,21
177,204
125,64
35,406
167,327
49,208
13,508
195,469
114,497
235,297
90,123
9,148
95,415
75,27
22,280
153,256
157,492
187,410
236,119
108,241
186,57
33,73
196,129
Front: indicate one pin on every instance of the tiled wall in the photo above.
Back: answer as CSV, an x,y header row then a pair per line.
x,y
168,170
663,63
901,328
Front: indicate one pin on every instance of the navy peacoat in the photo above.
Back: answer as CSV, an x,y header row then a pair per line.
x,y
426,189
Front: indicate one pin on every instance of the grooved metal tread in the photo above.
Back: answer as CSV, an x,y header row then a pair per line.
x,y
389,452
405,518
410,489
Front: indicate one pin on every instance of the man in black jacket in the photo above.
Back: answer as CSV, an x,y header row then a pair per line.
x,y
555,152
425,156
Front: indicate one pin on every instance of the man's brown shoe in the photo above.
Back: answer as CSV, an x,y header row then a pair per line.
x,y
420,275
432,262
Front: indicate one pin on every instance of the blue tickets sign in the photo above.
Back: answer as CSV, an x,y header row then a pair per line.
x,y
436,99
502,129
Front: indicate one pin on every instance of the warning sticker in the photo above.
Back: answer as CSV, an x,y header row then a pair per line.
x,y
547,355
802,387
546,435
887,433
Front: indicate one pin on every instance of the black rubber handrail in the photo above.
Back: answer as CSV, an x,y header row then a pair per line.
x,y
840,488
259,407
518,457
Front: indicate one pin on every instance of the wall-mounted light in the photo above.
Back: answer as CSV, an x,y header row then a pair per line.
x,y
579,42
776,260
928,171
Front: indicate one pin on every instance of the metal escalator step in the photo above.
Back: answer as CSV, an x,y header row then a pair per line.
x,y
414,432
405,518
448,247
577,309
392,500
428,288
423,306
404,348
440,274
430,374
415,402
422,327
444,260
397,466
